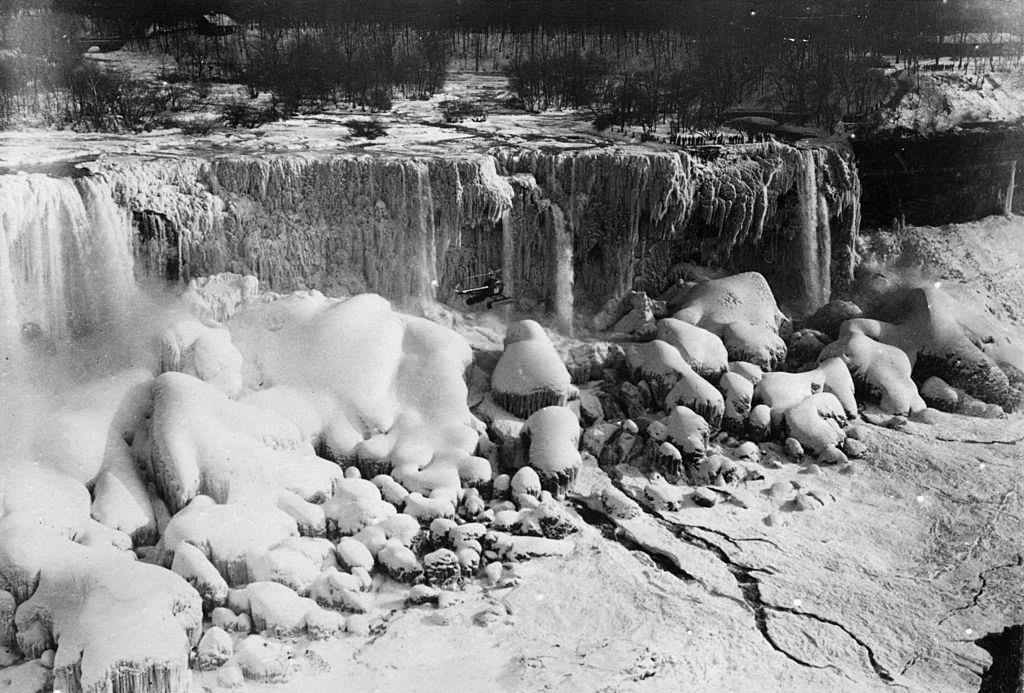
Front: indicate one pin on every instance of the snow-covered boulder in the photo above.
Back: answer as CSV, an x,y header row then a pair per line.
x,y
881,371
265,661
204,351
672,380
215,648
530,374
817,422
219,296
204,443
741,310
553,440
334,589
277,608
226,534
700,348
111,618
689,432
193,565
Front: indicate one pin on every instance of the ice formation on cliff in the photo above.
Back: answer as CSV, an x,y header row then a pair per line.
x,y
566,229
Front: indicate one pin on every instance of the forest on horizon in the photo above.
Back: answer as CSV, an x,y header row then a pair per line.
x,y
626,62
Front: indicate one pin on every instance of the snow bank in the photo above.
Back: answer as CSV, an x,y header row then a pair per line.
x,y
939,102
740,309
116,622
204,443
391,385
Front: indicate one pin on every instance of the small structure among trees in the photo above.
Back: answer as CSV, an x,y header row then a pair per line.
x,y
216,24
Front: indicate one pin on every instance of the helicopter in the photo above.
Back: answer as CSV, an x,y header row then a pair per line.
x,y
490,291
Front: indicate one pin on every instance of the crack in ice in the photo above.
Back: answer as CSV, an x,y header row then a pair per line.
x,y
751,589
983,577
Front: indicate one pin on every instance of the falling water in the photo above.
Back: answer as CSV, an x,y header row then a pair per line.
x,y
813,236
562,270
65,261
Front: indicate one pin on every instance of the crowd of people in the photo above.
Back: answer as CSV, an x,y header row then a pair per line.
x,y
700,138
705,138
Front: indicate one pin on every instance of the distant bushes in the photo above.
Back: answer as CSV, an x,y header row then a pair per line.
x,y
368,129
815,62
458,110
692,95
98,99
559,81
197,127
46,80
320,69
243,115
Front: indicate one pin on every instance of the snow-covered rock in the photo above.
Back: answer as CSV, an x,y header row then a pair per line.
x,y
530,374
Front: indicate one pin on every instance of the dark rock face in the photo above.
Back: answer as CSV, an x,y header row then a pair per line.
x,y
1007,670
941,178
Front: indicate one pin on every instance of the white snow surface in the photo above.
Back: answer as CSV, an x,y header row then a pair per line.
x,y
381,372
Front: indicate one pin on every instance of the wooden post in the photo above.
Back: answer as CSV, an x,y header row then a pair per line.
x,y
1009,189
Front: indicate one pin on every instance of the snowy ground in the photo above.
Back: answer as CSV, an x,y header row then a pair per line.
x,y
923,101
885,588
985,257
941,101
414,127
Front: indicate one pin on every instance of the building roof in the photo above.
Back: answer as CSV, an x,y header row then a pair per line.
x,y
219,19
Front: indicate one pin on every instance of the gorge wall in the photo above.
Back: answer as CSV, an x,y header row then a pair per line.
x,y
942,178
570,230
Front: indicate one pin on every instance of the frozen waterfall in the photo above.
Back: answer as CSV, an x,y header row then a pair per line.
x,y
65,260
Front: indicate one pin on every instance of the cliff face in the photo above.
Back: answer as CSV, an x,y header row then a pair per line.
x,y
792,214
942,178
345,223
569,229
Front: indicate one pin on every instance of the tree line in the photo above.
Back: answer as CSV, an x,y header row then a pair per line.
x,y
627,61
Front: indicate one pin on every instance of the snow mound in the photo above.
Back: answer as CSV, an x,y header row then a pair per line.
x,y
741,310
220,296
530,374
204,443
554,439
203,351
880,371
113,619
940,338
388,387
